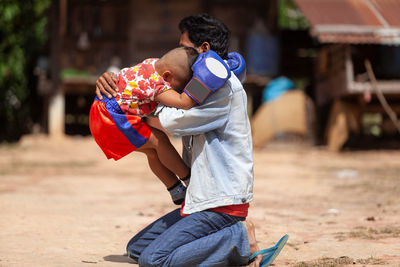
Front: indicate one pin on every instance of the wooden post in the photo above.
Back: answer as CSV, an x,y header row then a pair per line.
x,y
343,119
337,132
57,115
56,111
349,68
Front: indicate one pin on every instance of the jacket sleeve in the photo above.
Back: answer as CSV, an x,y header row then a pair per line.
x,y
212,114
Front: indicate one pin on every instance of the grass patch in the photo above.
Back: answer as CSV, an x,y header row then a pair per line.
x,y
326,262
341,261
375,234
370,233
372,261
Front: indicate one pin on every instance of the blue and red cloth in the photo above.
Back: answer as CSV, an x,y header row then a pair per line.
x,y
116,133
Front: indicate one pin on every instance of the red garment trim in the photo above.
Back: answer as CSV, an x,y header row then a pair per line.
x,y
106,134
240,210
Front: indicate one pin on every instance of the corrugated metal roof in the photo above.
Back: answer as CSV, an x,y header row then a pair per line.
x,y
389,9
353,21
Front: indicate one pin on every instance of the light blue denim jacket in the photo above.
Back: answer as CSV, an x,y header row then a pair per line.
x,y
217,144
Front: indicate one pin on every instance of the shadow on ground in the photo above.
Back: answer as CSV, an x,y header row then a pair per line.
x,y
119,258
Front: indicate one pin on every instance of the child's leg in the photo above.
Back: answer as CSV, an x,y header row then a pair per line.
x,y
169,179
167,153
166,163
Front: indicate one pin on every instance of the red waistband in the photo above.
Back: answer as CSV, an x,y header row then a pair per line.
x,y
240,210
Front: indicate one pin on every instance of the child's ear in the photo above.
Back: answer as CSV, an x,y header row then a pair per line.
x,y
167,75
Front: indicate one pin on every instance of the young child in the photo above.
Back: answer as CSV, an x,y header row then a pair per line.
x,y
117,126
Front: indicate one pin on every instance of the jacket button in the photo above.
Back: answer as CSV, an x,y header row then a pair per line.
x,y
243,200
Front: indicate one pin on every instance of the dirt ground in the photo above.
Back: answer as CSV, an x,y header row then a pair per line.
x,y
63,204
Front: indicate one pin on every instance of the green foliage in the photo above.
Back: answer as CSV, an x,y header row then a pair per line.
x,y
290,17
22,35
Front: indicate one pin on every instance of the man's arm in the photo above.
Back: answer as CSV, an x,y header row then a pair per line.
x,y
172,98
106,84
212,114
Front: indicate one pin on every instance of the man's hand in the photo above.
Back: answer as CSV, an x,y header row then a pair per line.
x,y
106,84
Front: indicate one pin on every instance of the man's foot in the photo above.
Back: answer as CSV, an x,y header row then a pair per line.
x,y
253,243
270,254
178,192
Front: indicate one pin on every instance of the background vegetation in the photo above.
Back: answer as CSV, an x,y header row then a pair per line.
x,y
290,16
22,35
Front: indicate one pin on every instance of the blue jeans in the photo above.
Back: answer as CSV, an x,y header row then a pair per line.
x,y
203,238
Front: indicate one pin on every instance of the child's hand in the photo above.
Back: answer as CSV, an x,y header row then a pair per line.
x,y
106,84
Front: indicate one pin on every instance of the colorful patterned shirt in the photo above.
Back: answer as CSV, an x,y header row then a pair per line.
x,y
138,86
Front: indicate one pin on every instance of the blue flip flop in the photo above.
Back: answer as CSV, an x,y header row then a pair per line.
x,y
271,253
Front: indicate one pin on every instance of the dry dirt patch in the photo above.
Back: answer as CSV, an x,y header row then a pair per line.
x,y
63,204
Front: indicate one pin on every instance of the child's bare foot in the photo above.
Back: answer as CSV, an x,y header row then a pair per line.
x,y
253,243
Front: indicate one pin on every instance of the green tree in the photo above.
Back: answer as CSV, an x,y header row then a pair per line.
x,y
290,16
22,25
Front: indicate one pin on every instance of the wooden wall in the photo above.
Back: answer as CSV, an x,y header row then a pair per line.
x,y
134,30
154,25
106,24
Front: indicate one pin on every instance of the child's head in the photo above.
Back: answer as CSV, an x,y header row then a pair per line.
x,y
176,66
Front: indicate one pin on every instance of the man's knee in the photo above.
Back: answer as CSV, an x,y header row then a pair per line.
x,y
150,258
132,251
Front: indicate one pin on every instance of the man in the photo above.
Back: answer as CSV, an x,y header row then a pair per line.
x,y
210,229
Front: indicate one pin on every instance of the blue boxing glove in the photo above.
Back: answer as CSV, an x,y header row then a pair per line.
x,y
210,73
237,64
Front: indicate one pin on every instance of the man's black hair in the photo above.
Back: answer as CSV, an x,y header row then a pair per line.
x,y
205,28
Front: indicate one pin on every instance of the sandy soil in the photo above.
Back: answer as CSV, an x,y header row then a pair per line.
x,y
63,204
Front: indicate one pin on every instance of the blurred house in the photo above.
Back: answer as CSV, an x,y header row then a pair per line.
x,y
349,33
